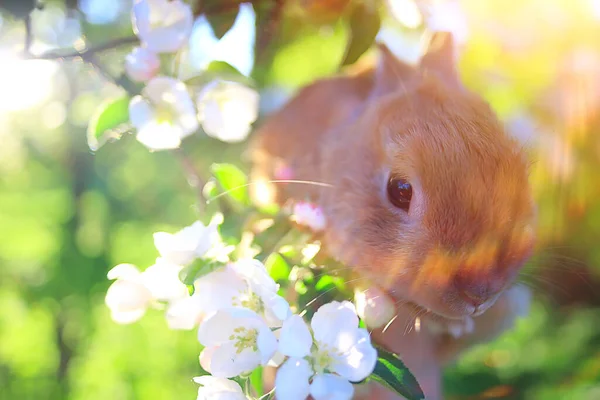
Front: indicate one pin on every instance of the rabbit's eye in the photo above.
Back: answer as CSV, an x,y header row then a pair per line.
x,y
399,192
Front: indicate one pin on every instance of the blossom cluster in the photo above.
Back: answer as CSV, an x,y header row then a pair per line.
x,y
165,112
242,321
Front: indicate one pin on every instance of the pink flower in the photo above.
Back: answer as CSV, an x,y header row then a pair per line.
x,y
141,64
309,215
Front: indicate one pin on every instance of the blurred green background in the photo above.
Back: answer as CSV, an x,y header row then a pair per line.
x,y
68,215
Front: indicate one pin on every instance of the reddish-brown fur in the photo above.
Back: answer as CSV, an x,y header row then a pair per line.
x,y
469,226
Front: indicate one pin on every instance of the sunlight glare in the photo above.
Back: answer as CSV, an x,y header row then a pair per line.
x,y
406,12
24,83
236,47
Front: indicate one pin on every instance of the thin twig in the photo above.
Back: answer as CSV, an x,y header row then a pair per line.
x,y
28,34
57,55
194,177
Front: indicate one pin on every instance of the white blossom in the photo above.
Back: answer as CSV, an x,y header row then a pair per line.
x,y
374,306
238,341
162,280
310,215
164,114
134,291
212,388
185,313
337,353
141,64
127,298
185,246
163,26
244,283
227,110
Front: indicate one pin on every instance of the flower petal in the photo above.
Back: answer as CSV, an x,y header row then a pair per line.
x,y
219,289
162,280
124,271
159,136
141,112
331,387
374,306
127,317
332,320
206,356
124,297
295,339
227,361
213,388
184,313
291,381
358,355
217,328
162,25
267,344
141,64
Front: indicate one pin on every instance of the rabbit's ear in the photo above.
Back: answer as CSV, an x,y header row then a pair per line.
x,y
391,74
440,58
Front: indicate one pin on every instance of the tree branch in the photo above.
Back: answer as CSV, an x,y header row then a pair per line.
x,y
57,55
195,180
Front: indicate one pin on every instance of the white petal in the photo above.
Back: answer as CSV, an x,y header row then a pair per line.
x,y
310,215
267,344
141,64
295,339
140,17
217,328
358,356
256,274
277,309
123,271
123,297
213,121
227,110
333,319
374,306
219,289
331,387
162,280
206,356
127,317
218,389
162,25
141,112
184,314
291,381
227,362
171,247
157,136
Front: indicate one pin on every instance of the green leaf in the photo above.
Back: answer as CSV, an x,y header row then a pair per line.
x,y
218,70
364,25
233,181
392,373
328,282
256,380
277,267
198,269
109,121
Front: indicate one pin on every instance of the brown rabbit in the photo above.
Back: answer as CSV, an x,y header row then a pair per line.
x,y
429,198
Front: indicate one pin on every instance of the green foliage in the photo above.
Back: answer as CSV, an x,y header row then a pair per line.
x,y
233,181
391,372
68,216
108,122
197,270
364,23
